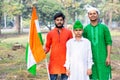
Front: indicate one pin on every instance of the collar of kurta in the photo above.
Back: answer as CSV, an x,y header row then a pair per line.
x,y
95,25
79,40
58,29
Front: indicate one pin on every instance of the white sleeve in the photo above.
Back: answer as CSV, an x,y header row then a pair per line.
x,y
67,62
90,61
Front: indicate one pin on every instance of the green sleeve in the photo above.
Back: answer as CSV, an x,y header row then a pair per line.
x,y
107,36
85,32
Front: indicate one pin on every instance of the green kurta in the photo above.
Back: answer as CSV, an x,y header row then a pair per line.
x,y
100,37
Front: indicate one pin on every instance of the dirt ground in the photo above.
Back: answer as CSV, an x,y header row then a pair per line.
x,y
116,61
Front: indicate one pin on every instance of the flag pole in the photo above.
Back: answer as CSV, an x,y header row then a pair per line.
x,y
47,68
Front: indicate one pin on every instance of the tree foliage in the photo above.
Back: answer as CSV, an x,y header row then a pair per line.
x,y
47,9
73,9
1,13
12,7
110,11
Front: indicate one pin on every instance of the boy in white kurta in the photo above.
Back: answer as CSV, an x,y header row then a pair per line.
x,y
79,56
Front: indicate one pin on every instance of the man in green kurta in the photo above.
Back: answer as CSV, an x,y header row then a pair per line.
x,y
101,43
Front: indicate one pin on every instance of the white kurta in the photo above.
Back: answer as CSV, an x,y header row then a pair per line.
x,y
78,58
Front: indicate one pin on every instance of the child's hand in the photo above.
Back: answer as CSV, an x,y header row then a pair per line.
x,y
89,72
68,73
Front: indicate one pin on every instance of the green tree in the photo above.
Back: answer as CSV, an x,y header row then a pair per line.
x,y
1,1
13,9
47,9
73,9
109,9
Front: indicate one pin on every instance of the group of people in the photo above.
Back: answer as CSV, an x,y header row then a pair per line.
x,y
86,56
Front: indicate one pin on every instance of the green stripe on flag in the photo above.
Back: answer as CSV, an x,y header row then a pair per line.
x,y
32,70
40,37
26,57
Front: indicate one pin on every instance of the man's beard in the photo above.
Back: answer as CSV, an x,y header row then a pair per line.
x,y
59,26
94,20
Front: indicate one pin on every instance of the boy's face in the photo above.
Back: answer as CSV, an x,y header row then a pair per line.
x,y
59,22
78,32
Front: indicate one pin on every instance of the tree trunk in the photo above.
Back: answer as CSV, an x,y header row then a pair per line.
x,y
0,30
105,18
17,24
5,20
110,19
0,26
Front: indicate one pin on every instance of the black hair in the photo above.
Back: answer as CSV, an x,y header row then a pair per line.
x,y
97,12
59,14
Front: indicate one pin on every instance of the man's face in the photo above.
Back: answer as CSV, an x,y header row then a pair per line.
x,y
59,22
93,15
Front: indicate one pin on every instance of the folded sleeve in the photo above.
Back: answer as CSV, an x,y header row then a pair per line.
x,y
107,36
89,60
48,42
68,56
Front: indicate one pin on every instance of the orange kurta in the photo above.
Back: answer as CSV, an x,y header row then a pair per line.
x,y
57,42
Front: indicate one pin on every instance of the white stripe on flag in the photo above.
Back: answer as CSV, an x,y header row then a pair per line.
x,y
37,25
31,60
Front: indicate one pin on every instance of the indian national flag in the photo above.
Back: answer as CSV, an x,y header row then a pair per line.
x,y
34,50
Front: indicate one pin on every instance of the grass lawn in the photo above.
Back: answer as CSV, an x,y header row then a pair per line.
x,y
13,65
